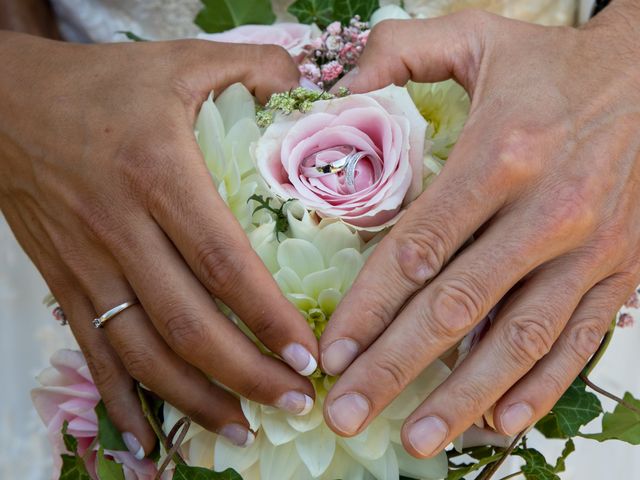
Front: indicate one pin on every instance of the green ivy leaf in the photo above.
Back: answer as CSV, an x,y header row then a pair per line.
x,y
108,469
70,442
459,472
536,466
73,468
222,15
345,10
569,448
132,36
576,408
108,435
621,424
184,472
312,11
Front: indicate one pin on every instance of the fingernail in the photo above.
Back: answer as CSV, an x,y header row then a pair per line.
x,y
133,445
299,359
295,402
516,418
348,412
309,85
427,435
237,434
339,355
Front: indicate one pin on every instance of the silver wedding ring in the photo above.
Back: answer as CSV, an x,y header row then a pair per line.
x,y
347,163
108,315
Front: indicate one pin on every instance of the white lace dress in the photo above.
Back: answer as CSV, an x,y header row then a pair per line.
x,y
30,335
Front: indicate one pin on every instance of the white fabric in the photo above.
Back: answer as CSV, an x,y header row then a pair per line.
x,y
30,335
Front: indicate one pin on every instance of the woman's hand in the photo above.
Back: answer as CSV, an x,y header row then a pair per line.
x,y
104,186
546,175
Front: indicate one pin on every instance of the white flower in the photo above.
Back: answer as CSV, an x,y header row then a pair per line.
x,y
225,131
388,12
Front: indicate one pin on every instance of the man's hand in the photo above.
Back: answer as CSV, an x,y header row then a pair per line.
x,y
104,186
546,177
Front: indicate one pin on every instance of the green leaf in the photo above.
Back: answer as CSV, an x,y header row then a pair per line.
x,y
184,472
132,36
108,469
569,448
70,442
345,10
536,466
108,435
73,468
460,472
222,15
312,11
622,424
576,408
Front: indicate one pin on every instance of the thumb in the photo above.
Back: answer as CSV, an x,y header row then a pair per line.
x,y
421,50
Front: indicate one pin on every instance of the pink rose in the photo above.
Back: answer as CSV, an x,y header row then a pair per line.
x,y
68,393
384,131
294,37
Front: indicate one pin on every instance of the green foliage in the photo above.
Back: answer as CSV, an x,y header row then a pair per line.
x,y
312,11
324,12
184,472
569,448
536,466
621,424
73,467
108,435
221,15
282,223
576,408
458,472
132,36
108,469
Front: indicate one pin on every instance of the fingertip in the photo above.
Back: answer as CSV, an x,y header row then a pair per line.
x,y
300,359
338,355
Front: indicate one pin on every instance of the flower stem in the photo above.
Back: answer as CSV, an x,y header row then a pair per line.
x,y
491,469
607,394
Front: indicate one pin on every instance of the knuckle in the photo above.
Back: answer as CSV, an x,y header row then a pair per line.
x,y
513,159
455,307
138,363
585,338
529,338
423,254
104,375
554,384
391,370
377,317
185,331
467,398
220,267
254,388
569,212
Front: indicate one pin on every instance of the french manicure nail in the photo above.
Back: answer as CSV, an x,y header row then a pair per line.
x,y
295,402
133,445
348,412
516,418
299,359
339,355
237,434
427,435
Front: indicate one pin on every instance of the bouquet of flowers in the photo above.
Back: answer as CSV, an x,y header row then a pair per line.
x,y
316,180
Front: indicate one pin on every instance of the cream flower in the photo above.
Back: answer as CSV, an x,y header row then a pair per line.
x,y
225,131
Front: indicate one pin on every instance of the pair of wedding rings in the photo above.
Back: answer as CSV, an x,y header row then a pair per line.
x,y
313,166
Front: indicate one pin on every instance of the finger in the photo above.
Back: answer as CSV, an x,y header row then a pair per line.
x,y
217,249
423,241
149,360
263,69
185,316
391,57
117,388
439,316
524,331
532,397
